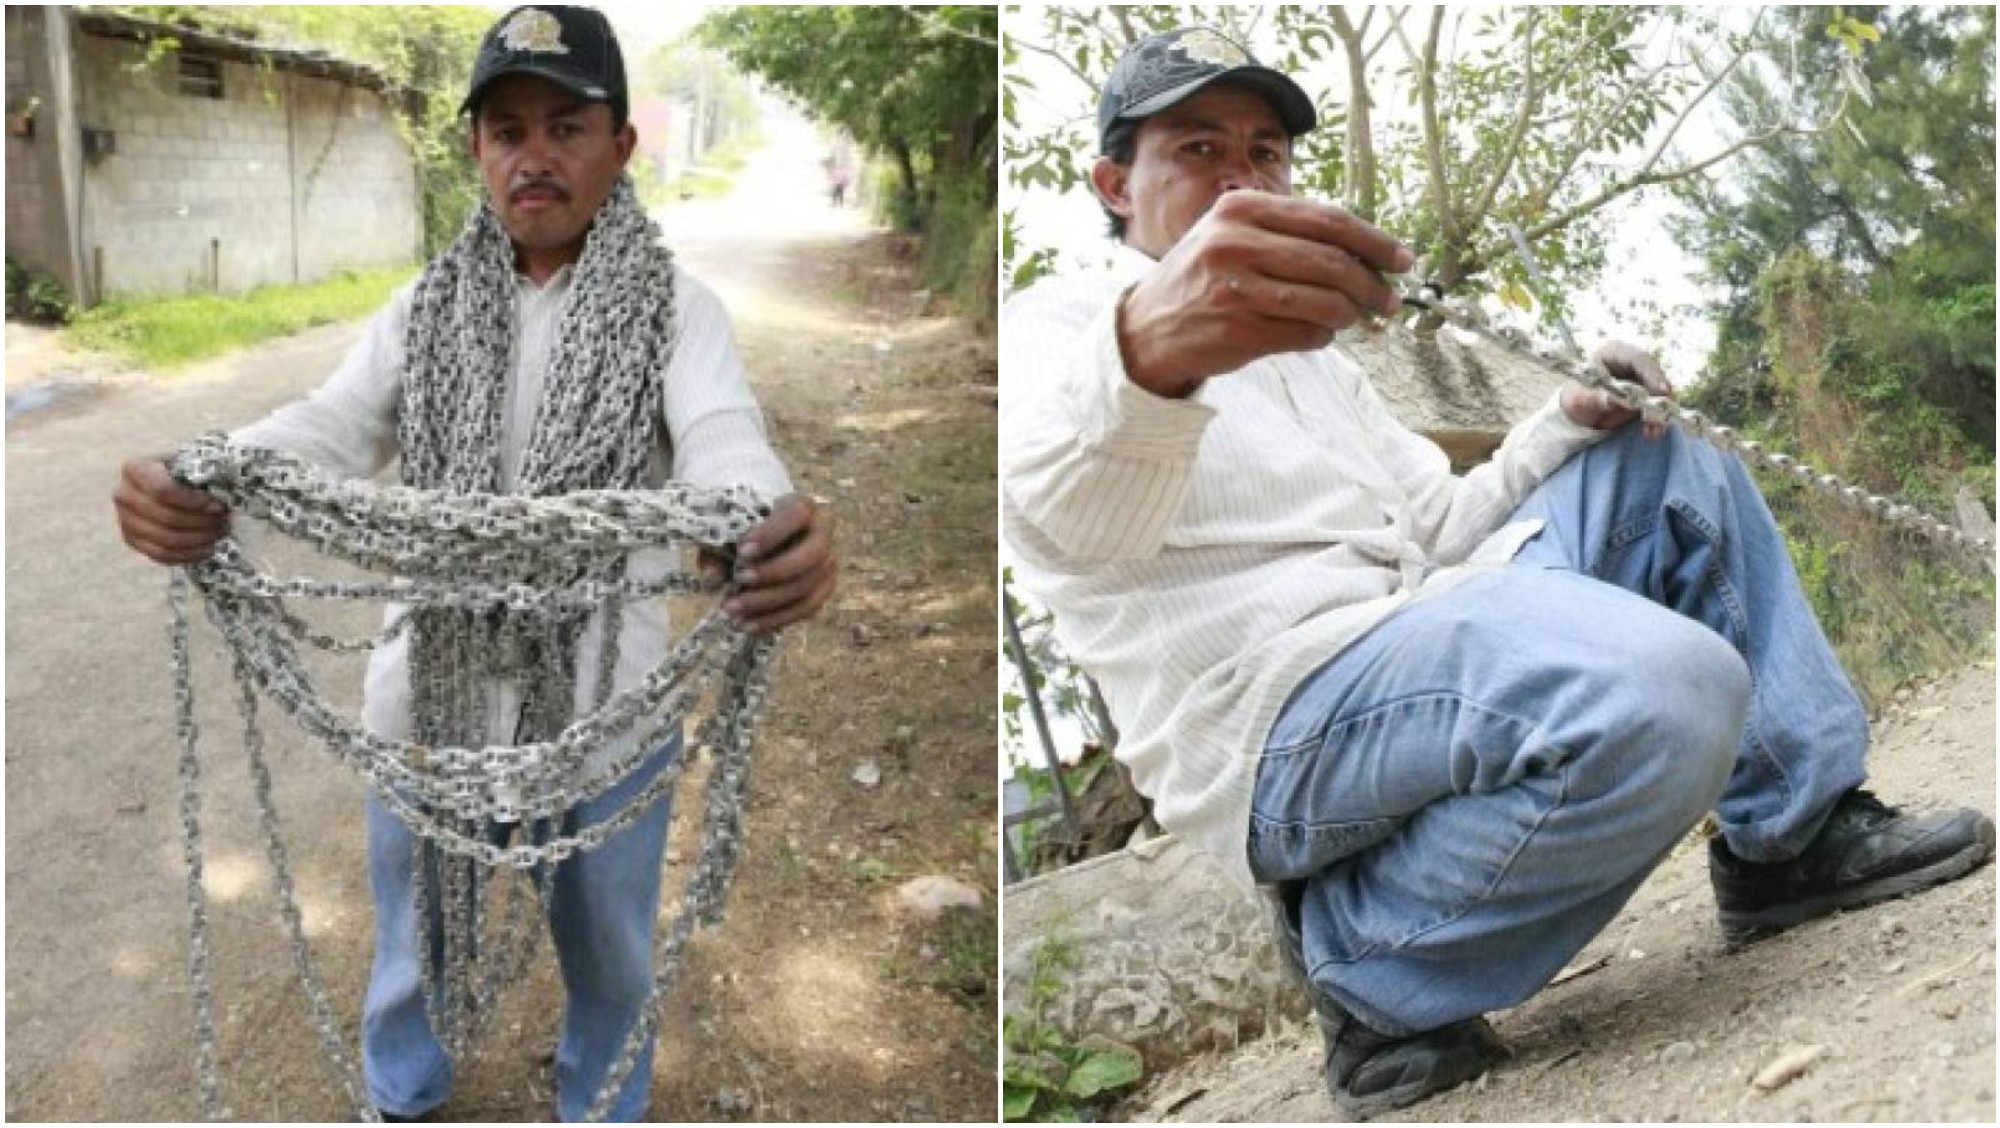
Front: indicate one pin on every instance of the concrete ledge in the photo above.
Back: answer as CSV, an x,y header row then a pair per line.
x,y
1170,957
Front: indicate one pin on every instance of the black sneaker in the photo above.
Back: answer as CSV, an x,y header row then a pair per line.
x,y
1867,852
1369,1073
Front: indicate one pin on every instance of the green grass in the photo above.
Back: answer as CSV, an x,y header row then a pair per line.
x,y
168,332
715,175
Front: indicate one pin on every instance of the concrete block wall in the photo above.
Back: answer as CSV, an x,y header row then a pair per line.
x,y
30,237
185,171
356,179
200,191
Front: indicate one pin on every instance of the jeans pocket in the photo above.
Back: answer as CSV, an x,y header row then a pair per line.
x,y
1293,851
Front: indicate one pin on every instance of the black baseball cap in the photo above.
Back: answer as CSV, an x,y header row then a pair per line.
x,y
574,48
1160,70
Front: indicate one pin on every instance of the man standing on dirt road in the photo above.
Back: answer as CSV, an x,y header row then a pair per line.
x,y
557,283
1451,722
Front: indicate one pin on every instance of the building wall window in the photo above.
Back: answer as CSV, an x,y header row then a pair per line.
x,y
199,77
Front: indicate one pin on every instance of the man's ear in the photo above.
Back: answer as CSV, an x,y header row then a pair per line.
x,y
1111,180
627,142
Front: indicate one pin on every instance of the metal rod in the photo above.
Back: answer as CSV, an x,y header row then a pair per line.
x,y
1019,653
1541,285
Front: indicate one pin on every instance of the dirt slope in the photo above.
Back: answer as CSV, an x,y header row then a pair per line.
x,y
1671,1027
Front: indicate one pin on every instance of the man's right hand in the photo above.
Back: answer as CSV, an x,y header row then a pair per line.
x,y
163,520
1259,274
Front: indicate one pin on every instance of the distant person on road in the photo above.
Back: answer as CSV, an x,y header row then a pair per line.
x,y
1449,722
839,175
557,283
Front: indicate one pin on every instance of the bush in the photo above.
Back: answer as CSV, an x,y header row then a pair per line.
x,y
34,296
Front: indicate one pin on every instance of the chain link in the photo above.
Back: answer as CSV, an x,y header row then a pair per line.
x,y
538,560
1961,547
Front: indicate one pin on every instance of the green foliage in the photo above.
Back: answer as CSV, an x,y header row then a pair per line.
x,y
915,86
1904,204
1063,686
1838,388
426,48
34,296
166,332
1045,1077
1856,323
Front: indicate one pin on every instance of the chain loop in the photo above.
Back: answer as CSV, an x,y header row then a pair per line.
x,y
536,559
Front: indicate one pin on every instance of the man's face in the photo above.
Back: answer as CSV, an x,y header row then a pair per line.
x,y
1222,138
549,160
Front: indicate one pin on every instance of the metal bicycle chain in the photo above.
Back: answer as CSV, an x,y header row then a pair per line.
x,y
478,552
1961,547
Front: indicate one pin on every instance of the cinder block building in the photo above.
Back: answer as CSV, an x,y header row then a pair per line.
x,y
144,158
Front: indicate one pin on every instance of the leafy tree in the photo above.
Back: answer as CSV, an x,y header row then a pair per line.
x,y
1537,117
916,84
1902,204
1855,326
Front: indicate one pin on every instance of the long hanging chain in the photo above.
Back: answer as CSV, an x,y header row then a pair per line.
x,y
525,554
1426,297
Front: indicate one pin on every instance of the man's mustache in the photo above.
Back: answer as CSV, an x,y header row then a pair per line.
x,y
537,185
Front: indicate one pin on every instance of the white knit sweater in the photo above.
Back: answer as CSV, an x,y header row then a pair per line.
x,y
1202,556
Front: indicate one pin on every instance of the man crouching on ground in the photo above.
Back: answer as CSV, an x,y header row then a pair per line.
x,y
1450,722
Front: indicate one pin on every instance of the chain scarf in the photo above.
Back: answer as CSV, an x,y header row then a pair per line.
x,y
595,427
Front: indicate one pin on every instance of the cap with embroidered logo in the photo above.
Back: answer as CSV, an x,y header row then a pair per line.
x,y
572,47
1160,70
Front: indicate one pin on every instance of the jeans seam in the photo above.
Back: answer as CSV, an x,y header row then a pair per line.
x,y
1739,621
1260,823
1506,867
1326,732
1622,538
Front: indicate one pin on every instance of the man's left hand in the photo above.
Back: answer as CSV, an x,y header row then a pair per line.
x,y
786,566
1594,407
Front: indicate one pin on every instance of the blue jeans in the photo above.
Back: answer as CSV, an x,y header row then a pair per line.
x,y
602,907
1470,792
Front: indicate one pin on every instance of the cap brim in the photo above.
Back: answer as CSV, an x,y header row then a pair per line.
x,y
567,82
1295,110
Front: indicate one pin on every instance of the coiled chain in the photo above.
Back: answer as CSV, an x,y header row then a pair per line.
x,y
485,553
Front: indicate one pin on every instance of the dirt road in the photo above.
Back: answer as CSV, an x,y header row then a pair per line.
x,y
1663,1024
817,1000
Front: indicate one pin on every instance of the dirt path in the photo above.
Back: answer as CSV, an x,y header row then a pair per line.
x,y
817,1000
1670,1027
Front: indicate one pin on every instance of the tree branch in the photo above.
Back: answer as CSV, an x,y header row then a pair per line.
x,y
1059,57
934,25
1426,76
1594,126
1393,31
1519,134
1361,176
1644,179
1660,149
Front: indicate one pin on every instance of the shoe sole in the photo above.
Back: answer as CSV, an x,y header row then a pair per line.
x,y
1403,1096
1480,1053
1743,927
